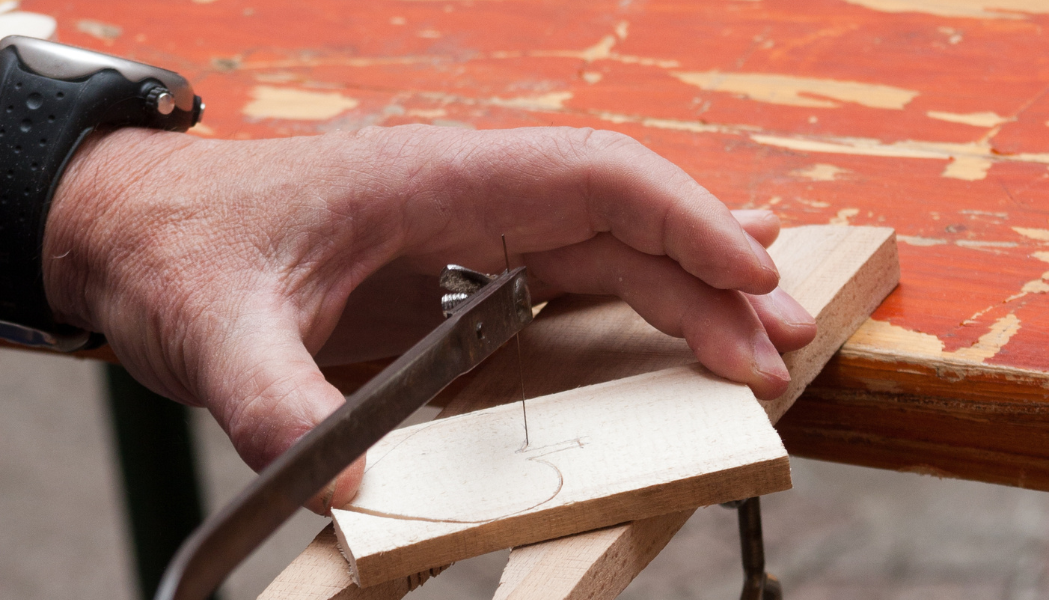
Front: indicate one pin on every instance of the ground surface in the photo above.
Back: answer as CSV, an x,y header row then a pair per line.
x,y
843,532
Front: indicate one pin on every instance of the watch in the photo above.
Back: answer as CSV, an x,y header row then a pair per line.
x,y
51,97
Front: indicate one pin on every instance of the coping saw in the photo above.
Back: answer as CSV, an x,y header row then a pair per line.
x,y
483,313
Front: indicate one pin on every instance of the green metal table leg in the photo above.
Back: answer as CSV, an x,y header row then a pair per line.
x,y
157,461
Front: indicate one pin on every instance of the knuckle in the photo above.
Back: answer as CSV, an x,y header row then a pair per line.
x,y
596,143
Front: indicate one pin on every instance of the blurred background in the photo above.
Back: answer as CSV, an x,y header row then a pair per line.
x,y
843,532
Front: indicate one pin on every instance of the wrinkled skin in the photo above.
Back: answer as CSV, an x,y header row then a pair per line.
x,y
220,271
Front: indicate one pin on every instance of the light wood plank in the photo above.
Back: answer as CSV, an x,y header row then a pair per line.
x,y
864,266
597,564
321,573
598,455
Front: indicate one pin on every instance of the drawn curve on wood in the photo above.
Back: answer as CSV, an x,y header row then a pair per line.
x,y
470,474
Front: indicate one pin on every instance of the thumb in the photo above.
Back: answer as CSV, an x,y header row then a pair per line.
x,y
267,392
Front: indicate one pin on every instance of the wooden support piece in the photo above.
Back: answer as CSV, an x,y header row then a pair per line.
x,y
320,573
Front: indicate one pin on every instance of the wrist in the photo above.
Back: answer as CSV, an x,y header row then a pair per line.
x,y
89,208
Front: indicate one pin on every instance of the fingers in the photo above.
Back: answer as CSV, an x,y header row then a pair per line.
x,y
550,187
721,327
762,225
267,392
788,325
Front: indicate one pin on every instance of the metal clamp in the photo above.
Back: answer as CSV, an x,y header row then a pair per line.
x,y
757,584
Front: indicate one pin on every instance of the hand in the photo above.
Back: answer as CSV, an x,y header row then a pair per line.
x,y
218,270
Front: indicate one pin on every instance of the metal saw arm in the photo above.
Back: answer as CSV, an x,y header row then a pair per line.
x,y
477,325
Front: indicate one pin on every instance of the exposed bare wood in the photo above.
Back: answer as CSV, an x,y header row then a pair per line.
x,y
601,564
597,455
609,558
321,573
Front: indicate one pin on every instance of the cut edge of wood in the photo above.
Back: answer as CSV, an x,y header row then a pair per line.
x,y
873,280
612,554
756,478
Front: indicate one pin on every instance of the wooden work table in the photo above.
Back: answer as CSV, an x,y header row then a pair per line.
x,y
929,117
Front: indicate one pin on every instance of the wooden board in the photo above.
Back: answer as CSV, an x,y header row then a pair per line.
x,y
863,410
320,573
597,564
598,455
601,564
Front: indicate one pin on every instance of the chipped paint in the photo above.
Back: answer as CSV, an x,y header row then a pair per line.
x,y
289,103
977,119
885,337
671,124
29,24
799,91
984,243
339,61
820,172
843,216
914,240
97,29
453,124
1036,286
903,149
591,77
693,126
202,130
1041,235
990,343
978,9
545,102
1042,256
427,113
602,50
984,213
856,146
981,244
812,203
967,168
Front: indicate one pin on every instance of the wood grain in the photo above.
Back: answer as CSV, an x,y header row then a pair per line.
x,y
863,267
320,573
597,455
608,558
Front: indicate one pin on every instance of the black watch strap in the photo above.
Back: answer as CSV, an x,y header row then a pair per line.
x,y
43,119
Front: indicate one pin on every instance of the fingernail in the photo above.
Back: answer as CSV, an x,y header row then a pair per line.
x,y
752,213
762,256
788,309
767,360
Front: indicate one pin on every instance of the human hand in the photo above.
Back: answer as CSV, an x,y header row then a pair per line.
x,y
218,270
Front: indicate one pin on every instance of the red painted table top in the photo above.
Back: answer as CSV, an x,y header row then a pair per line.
x,y
930,116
